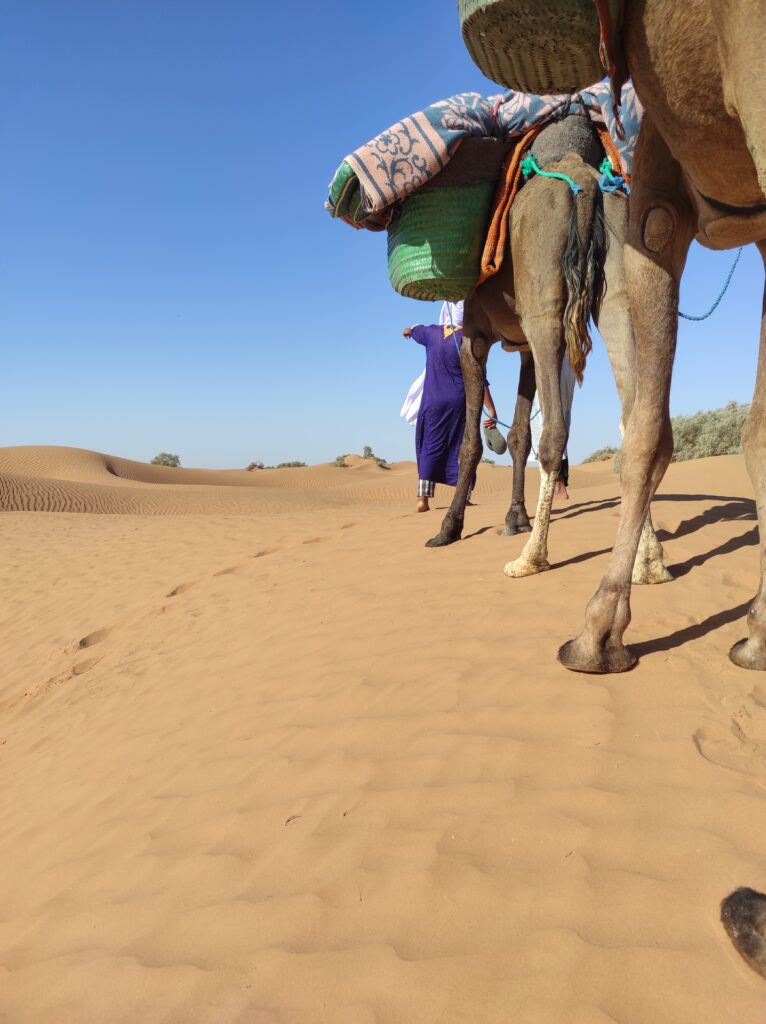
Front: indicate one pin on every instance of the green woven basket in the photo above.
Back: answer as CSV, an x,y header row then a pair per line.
x,y
436,238
537,46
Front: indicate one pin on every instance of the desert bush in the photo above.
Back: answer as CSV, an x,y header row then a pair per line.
x,y
289,465
166,459
715,432
490,462
602,454
254,465
368,453
712,432
340,462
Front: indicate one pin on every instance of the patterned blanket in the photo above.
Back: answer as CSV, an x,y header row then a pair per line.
x,y
373,178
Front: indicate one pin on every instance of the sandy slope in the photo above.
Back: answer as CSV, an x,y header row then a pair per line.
x,y
292,766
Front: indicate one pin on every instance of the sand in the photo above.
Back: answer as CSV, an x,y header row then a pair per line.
x,y
266,758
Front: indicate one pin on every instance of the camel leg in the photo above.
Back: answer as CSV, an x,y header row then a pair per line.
x,y
473,360
660,232
546,339
751,653
519,447
616,328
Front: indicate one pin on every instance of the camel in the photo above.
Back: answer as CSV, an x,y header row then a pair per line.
x,y
566,251
699,171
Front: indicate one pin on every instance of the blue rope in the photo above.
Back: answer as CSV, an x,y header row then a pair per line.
x,y
723,292
609,181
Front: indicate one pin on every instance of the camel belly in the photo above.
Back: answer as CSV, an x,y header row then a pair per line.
x,y
674,52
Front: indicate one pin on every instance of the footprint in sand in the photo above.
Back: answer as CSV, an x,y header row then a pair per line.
x,y
266,551
226,572
94,638
180,589
740,748
84,666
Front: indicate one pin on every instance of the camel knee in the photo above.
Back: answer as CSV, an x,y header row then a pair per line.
x,y
552,445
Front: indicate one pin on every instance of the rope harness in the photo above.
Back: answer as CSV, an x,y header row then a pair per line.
x,y
715,305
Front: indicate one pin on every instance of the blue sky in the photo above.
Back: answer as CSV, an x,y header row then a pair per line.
x,y
169,279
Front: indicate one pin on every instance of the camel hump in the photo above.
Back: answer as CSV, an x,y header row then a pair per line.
x,y
743,915
572,135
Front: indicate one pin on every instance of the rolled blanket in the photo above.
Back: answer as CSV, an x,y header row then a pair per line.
x,y
373,178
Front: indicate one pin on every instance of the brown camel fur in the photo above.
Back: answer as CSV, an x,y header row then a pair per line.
x,y
700,170
539,303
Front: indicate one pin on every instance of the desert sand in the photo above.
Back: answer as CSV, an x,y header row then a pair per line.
x,y
266,759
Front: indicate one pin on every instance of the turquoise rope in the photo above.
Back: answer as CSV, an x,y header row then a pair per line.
x,y
530,166
723,292
609,181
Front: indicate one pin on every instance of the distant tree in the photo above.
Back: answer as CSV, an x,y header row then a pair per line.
x,y
165,459
254,465
489,462
290,465
368,453
340,462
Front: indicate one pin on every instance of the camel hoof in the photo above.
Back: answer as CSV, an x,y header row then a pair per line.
x,y
748,653
650,572
513,529
441,540
580,656
743,915
521,567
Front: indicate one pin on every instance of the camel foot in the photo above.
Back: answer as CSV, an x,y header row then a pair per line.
x,y
583,655
749,653
441,540
512,529
743,915
650,572
522,567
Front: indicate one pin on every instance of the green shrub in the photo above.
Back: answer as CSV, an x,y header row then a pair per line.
x,y
290,465
165,459
367,453
255,465
340,462
490,462
602,454
713,432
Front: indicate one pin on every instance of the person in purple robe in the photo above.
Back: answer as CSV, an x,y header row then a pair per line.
x,y
441,417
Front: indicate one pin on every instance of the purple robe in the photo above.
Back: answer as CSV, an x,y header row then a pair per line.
x,y
441,417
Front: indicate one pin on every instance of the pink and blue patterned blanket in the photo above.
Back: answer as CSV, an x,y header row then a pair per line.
x,y
392,165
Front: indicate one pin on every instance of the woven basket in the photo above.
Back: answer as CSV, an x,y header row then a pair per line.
x,y
436,238
536,46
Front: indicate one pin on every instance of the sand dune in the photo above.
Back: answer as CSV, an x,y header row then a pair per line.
x,y
296,767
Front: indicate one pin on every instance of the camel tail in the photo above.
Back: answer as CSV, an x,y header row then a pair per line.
x,y
584,258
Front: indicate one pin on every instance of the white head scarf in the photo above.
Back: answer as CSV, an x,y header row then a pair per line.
x,y
453,310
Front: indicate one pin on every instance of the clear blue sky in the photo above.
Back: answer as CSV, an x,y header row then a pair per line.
x,y
169,279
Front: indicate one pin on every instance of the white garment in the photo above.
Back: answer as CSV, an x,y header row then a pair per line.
x,y
567,385
411,405
451,313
